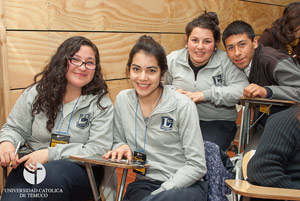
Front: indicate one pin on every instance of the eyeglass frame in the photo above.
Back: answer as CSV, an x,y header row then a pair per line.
x,y
82,62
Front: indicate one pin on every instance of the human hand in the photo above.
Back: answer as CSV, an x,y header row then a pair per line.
x,y
119,152
180,90
7,154
195,96
254,91
39,156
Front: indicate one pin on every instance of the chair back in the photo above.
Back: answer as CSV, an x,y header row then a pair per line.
x,y
245,161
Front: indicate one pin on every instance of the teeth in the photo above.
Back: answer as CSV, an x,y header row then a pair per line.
x,y
143,85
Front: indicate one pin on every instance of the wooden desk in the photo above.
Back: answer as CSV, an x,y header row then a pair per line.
x,y
89,161
246,189
249,103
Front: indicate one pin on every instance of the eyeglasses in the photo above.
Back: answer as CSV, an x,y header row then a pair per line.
x,y
87,64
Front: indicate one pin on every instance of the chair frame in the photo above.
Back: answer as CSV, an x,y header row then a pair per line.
x,y
244,188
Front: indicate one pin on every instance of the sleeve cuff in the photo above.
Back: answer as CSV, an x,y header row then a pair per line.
x,y
269,92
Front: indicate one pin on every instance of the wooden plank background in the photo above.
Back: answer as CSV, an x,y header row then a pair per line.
x,y
31,30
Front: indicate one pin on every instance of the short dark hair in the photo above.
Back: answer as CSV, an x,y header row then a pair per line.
x,y
208,20
238,27
151,47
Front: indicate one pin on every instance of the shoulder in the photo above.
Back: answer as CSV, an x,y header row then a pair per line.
x,y
125,95
30,93
175,98
288,115
176,54
91,101
269,53
221,55
268,32
220,59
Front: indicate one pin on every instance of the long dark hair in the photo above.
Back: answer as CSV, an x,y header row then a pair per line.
x,y
51,88
288,23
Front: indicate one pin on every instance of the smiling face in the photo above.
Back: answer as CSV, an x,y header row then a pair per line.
x,y
145,75
201,44
78,77
240,49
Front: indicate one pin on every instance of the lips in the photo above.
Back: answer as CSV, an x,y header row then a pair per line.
x,y
143,86
199,53
80,74
240,60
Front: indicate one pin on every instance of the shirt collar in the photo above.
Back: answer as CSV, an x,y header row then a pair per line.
x,y
247,69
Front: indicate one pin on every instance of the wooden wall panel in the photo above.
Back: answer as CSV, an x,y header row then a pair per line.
x,y
26,14
3,67
35,28
259,18
115,86
272,2
112,15
29,51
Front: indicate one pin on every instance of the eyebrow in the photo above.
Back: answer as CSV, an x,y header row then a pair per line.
x,y
202,39
242,41
136,65
75,55
232,45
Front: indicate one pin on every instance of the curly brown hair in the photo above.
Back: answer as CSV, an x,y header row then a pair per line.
x,y
288,23
51,88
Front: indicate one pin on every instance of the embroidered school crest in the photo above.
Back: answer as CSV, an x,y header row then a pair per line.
x,y
83,120
218,80
166,123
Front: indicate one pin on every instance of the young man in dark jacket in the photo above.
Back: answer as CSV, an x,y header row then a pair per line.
x,y
272,73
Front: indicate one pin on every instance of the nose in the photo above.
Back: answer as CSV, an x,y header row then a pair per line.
x,y
200,45
82,67
143,76
237,52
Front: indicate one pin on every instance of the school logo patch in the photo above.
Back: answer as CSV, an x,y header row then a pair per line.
x,y
166,123
218,80
83,121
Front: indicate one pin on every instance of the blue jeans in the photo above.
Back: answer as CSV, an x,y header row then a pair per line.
x,y
140,190
64,180
220,132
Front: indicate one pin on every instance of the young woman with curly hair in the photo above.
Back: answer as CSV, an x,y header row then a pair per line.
x,y
66,111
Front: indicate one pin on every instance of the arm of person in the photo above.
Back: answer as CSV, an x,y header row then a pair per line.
x,y
17,127
255,91
194,168
120,148
100,136
287,75
229,93
7,154
278,144
19,122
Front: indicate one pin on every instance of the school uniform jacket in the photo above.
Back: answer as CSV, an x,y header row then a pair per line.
x,y
276,70
171,138
90,128
221,82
